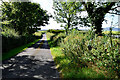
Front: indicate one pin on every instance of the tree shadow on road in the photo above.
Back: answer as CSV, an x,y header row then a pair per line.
x,y
24,67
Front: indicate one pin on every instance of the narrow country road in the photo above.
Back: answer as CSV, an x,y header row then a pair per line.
x,y
35,63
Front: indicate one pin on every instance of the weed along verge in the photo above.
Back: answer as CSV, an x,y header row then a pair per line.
x,y
78,57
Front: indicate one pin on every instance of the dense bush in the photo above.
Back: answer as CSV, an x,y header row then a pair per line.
x,y
9,43
24,17
11,39
84,50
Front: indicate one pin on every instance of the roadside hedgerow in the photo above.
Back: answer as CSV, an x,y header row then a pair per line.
x,y
96,50
11,39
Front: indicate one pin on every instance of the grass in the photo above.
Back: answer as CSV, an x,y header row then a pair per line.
x,y
17,50
68,69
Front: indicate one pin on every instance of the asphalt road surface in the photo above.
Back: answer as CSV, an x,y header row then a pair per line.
x,y
35,63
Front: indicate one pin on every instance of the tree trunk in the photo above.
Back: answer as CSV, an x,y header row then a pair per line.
x,y
96,15
68,26
98,24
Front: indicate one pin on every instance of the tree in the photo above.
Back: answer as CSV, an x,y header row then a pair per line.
x,y
66,12
24,17
96,13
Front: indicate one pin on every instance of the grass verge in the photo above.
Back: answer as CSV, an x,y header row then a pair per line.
x,y
70,70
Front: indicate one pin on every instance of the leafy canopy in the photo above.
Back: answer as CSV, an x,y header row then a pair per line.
x,y
66,12
24,17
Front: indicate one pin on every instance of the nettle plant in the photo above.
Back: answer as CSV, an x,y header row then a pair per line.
x,y
86,48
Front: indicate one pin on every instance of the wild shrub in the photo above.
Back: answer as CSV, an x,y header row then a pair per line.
x,y
85,49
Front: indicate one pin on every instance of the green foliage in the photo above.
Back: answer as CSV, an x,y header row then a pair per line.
x,y
12,43
11,39
68,70
24,17
71,71
66,12
83,49
9,32
19,21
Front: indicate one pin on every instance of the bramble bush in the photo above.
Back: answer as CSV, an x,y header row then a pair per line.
x,y
86,49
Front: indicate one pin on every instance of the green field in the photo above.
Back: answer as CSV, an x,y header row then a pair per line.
x,y
113,32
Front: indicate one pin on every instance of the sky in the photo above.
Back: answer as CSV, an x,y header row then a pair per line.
x,y
48,4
